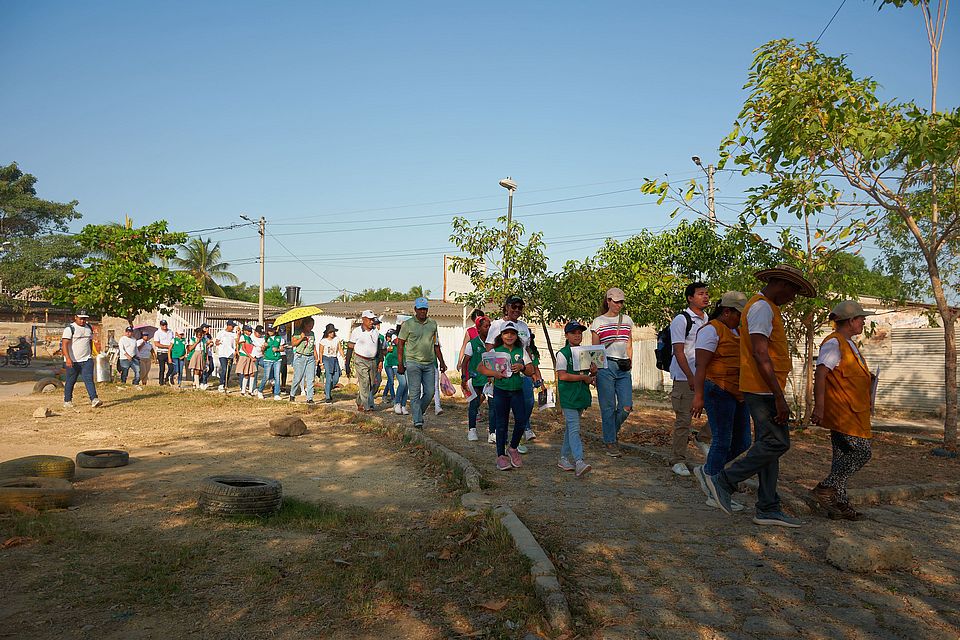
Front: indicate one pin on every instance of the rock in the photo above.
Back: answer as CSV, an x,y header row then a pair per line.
x,y
854,553
42,412
287,426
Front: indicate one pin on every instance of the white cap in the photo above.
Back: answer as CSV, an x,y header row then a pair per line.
x,y
368,314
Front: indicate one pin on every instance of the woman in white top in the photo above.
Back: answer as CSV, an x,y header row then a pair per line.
x,y
145,355
331,350
614,330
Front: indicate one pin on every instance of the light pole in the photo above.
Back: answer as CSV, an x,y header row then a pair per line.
x,y
262,224
709,171
511,186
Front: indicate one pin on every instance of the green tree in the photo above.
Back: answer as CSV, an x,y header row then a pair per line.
x,y
272,296
35,252
384,294
121,276
202,259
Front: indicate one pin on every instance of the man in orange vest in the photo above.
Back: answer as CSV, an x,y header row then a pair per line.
x,y
765,363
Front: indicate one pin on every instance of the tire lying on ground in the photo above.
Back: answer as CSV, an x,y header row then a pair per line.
x,y
43,384
103,459
35,493
39,466
240,495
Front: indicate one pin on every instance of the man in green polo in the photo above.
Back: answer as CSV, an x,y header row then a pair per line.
x,y
418,351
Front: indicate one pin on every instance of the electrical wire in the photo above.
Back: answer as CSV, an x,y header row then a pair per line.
x,y
830,22
309,268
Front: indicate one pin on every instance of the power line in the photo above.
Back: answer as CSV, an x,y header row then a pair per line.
x,y
830,21
309,268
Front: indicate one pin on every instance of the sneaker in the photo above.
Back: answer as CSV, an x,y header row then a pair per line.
x,y
776,519
849,513
704,448
406,411
259,395
492,438
243,393
472,435
138,387
397,409
736,506
529,435
418,425
522,448
514,457
582,468
292,399
310,402
826,498
698,473
613,450
565,465
277,398
220,389
68,405
96,402
120,387
680,469
719,493
438,411
503,463
205,386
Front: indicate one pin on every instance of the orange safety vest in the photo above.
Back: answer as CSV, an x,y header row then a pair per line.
x,y
846,406
723,369
750,379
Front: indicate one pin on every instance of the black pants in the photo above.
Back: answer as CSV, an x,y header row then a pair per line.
x,y
283,371
162,360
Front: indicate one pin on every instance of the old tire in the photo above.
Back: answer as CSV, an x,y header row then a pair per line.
x,y
43,384
35,493
39,467
240,495
103,459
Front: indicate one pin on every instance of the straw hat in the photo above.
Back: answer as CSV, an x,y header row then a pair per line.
x,y
790,274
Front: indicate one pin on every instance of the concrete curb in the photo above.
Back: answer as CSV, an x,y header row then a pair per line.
x,y
801,504
542,570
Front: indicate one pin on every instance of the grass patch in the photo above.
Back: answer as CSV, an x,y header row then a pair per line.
x,y
300,515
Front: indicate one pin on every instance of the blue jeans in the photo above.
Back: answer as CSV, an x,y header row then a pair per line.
x,y
271,369
762,459
529,401
402,390
125,366
473,410
421,383
729,424
331,374
572,446
615,395
176,370
502,403
225,364
388,392
304,370
83,370
205,375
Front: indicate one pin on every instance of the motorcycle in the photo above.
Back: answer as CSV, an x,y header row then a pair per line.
x,y
16,357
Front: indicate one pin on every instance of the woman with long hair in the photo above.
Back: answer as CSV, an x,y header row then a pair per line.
x,y
614,330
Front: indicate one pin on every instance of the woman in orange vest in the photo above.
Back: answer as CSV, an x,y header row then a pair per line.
x,y
716,386
842,403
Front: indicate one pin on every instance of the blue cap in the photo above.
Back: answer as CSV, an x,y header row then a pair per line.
x,y
572,326
421,303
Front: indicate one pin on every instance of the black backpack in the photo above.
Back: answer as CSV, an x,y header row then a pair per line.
x,y
664,352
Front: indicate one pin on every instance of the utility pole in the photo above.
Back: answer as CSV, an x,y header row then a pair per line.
x,y
710,170
263,233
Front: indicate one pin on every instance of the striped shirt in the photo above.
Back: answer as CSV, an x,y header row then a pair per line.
x,y
614,334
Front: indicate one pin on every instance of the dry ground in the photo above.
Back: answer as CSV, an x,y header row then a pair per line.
x,y
370,543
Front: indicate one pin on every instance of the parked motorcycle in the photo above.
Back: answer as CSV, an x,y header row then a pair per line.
x,y
16,357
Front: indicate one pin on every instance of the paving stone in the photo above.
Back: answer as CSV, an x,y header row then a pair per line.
x,y
857,553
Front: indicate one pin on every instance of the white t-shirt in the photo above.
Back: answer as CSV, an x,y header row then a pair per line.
x,y
81,341
365,343
615,333
708,338
228,343
144,347
331,347
257,346
523,330
128,348
562,362
164,338
678,335
760,318
830,353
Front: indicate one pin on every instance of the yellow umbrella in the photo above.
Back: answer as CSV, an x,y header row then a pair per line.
x,y
297,314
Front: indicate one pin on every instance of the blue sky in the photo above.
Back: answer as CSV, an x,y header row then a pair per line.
x,y
347,124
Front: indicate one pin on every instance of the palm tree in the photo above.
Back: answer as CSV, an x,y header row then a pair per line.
x,y
204,262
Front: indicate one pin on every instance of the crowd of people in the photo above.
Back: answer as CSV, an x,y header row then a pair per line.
x,y
731,363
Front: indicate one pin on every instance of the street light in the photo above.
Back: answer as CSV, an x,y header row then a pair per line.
x,y
511,186
709,171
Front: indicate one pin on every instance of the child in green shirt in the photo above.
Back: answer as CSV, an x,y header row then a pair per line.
x,y
573,387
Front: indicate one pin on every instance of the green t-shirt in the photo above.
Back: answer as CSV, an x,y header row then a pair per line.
x,y
178,349
271,348
419,339
514,382
573,395
390,360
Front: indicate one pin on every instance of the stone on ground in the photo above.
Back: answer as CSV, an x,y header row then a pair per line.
x,y
853,553
288,426
42,412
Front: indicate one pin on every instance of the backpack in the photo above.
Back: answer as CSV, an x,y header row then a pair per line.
x,y
664,351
